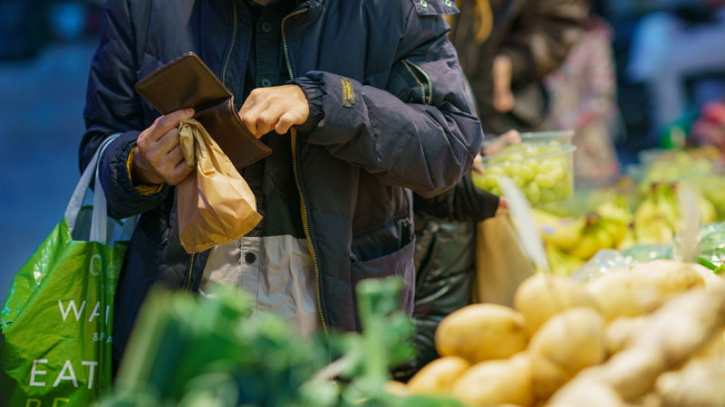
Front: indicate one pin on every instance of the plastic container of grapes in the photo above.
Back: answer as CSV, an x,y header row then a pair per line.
x,y
564,137
543,171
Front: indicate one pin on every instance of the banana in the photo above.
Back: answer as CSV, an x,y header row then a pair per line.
x,y
564,233
629,240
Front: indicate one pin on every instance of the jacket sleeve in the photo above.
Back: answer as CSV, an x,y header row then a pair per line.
x,y
420,132
463,203
542,36
112,107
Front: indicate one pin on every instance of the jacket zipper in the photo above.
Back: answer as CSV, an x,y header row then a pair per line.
x,y
231,46
303,206
429,100
306,226
284,41
191,269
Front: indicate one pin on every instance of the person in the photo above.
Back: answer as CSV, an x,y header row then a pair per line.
x,y
362,102
506,48
583,95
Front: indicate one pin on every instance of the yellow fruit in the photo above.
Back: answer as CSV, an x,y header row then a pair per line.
x,y
542,296
497,382
587,247
438,376
481,332
565,345
565,234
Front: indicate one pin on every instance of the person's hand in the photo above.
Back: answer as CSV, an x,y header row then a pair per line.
x,y
158,157
503,207
277,108
503,98
510,138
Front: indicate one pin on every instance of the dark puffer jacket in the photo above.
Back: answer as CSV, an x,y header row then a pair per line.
x,y
405,125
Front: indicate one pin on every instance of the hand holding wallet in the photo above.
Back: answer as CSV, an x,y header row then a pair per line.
x,y
187,82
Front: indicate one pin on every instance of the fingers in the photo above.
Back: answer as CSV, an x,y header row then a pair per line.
x,y
286,122
168,141
512,137
503,207
478,165
179,173
277,108
166,123
172,167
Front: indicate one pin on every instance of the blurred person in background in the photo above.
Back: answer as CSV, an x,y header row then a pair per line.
x,y
506,48
671,47
583,98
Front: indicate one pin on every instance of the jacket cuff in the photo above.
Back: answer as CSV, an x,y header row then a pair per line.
x,y
314,94
119,178
145,190
480,204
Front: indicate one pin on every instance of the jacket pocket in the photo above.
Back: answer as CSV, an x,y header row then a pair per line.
x,y
381,241
398,263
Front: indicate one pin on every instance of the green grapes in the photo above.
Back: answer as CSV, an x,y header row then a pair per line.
x,y
543,171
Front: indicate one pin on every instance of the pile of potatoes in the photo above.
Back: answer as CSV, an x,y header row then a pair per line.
x,y
652,336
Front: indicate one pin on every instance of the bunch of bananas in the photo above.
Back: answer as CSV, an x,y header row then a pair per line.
x,y
658,218
572,241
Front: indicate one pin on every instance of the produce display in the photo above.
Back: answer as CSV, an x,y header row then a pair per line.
x,y
612,224
543,171
650,336
635,332
207,352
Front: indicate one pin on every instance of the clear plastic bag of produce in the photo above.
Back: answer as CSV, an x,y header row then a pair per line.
x,y
614,261
604,262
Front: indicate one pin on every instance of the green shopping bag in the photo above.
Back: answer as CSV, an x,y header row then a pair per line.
x,y
55,324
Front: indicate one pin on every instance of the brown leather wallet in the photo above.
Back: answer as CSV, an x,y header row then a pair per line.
x,y
187,82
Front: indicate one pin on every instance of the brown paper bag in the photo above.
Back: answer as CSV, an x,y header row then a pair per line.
x,y
215,204
501,264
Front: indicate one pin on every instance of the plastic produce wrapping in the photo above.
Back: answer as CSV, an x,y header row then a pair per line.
x,y
215,203
56,322
712,243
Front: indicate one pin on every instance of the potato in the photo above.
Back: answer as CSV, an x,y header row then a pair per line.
x,y
542,296
496,382
438,376
565,345
625,295
586,391
481,332
671,277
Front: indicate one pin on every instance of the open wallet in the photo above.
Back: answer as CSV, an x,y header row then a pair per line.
x,y
187,82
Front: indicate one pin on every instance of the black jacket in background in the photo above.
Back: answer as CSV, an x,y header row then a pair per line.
x,y
536,35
